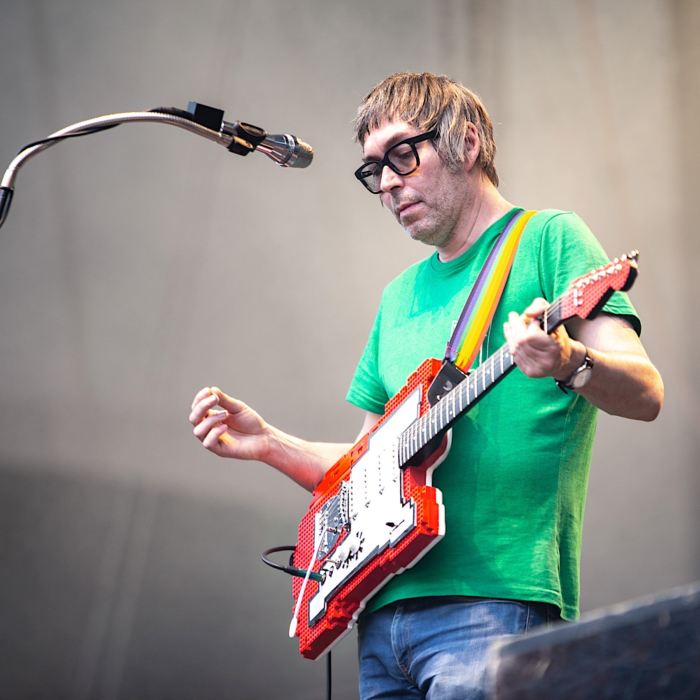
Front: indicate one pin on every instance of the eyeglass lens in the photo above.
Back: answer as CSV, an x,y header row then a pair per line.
x,y
402,158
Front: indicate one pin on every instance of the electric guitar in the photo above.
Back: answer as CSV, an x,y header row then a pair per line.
x,y
375,513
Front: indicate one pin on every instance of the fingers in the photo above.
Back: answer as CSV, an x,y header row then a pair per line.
x,y
228,402
226,426
216,437
517,329
537,308
203,401
213,420
201,394
535,352
211,408
212,429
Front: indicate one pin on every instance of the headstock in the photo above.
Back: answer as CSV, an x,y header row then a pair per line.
x,y
587,294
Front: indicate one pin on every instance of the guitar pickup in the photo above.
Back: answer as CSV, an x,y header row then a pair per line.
x,y
331,520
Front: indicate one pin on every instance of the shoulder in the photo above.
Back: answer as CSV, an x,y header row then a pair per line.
x,y
555,223
563,237
562,247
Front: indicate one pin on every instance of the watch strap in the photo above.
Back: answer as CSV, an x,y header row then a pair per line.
x,y
568,383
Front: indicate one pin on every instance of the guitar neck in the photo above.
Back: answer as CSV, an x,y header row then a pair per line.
x,y
440,417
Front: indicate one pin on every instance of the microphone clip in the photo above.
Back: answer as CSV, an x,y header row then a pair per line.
x,y
246,137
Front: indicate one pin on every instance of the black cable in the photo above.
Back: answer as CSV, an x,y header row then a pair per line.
x,y
328,676
173,111
56,139
291,570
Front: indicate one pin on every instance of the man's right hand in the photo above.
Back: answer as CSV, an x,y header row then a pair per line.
x,y
228,427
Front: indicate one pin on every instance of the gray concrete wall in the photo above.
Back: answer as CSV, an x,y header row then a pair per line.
x,y
143,263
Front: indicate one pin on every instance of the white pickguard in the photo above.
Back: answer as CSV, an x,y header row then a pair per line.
x,y
377,515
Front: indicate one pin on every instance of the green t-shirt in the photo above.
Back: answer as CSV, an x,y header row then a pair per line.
x,y
514,483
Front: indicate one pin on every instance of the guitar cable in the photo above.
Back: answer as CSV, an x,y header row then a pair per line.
x,y
301,573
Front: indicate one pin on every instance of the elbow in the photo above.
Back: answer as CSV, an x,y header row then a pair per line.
x,y
654,400
644,404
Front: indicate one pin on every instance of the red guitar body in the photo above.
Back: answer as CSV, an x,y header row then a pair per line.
x,y
378,517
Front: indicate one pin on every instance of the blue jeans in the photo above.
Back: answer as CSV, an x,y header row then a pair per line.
x,y
437,648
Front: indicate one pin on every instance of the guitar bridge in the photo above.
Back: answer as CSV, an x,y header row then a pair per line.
x,y
331,520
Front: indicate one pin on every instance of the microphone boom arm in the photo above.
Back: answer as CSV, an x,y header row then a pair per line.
x,y
284,149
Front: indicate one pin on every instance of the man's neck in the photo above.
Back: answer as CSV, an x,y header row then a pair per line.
x,y
487,207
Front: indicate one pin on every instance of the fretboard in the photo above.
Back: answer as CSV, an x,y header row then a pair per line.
x,y
445,412
452,405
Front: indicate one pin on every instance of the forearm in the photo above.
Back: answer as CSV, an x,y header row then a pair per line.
x,y
306,462
230,428
621,383
302,461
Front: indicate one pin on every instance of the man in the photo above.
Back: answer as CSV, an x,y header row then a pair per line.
x,y
514,481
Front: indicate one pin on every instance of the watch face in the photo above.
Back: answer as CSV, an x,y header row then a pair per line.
x,y
580,379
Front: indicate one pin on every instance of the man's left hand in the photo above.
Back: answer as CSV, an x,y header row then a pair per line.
x,y
538,353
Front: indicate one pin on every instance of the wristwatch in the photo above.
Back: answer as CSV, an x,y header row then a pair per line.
x,y
579,377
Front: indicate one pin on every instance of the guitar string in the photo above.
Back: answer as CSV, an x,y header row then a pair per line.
x,y
423,422
413,433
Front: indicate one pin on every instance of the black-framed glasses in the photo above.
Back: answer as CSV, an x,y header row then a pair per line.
x,y
402,158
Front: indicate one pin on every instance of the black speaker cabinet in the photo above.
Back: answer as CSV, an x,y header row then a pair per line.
x,y
648,648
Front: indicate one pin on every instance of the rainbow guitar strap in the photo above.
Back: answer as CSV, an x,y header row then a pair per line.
x,y
478,311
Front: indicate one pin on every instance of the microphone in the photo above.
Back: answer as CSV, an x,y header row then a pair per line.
x,y
285,149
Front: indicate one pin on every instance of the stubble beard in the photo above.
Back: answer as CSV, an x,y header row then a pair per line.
x,y
435,236
433,229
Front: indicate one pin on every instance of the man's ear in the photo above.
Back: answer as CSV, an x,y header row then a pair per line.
x,y
472,146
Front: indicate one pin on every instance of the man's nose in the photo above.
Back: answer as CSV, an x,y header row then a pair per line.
x,y
389,179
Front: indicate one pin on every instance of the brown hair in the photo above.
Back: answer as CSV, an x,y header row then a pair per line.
x,y
428,101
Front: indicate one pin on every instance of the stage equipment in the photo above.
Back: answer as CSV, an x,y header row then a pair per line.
x,y
238,137
648,649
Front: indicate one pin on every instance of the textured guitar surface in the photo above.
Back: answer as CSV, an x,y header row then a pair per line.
x,y
369,518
